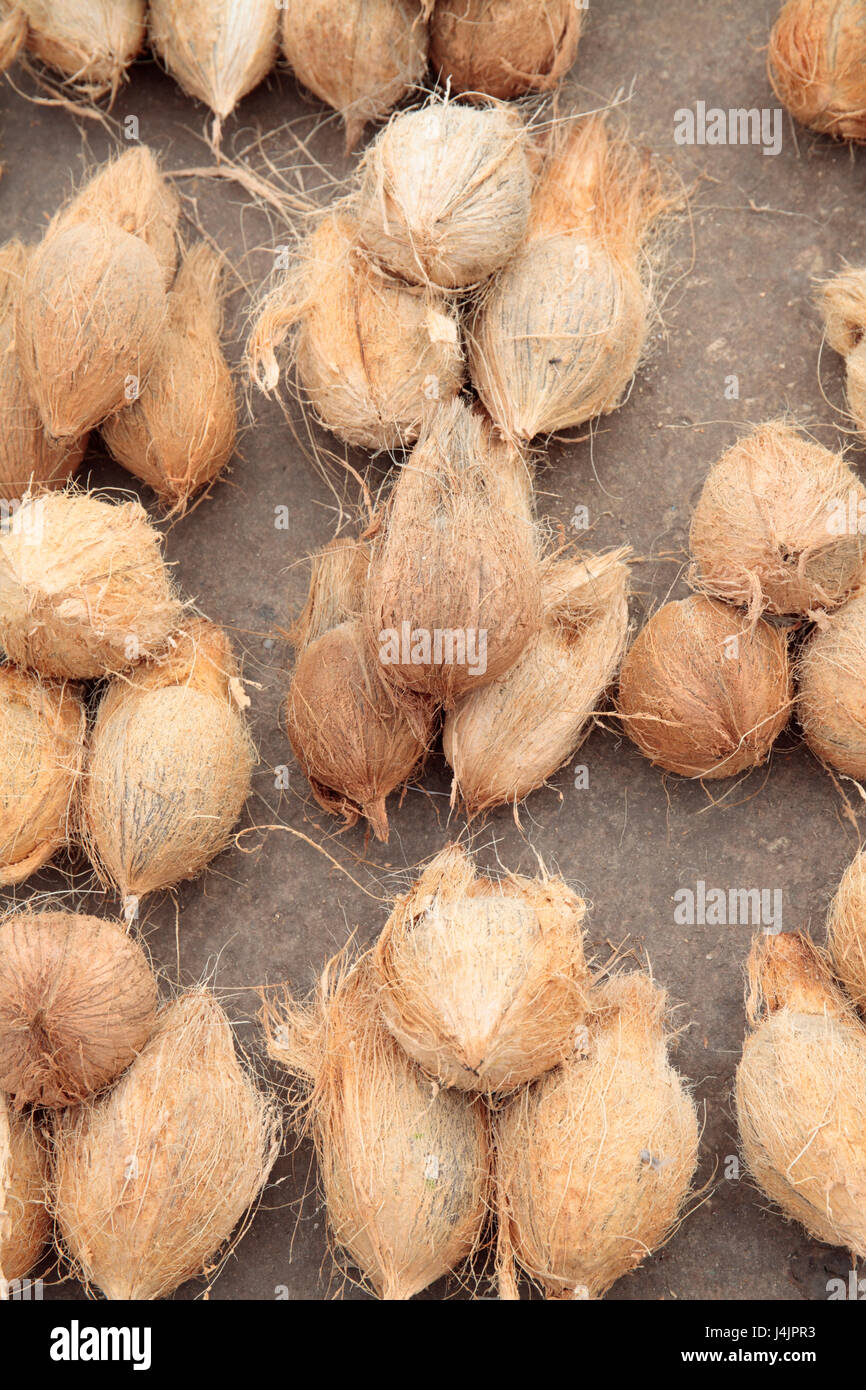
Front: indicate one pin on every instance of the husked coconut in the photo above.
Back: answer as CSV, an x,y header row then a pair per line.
x,y
24,1221
817,64
505,48
831,701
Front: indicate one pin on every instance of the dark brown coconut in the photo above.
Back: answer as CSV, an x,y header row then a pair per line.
x,y
505,48
817,64
831,705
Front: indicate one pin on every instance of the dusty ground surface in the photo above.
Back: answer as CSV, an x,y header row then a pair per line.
x,y
741,305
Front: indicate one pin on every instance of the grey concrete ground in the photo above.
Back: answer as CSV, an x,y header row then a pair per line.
x,y
740,303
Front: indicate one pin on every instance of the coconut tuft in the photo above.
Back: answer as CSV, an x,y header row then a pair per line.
x,y
42,729
169,766
846,931
506,739
403,1166
359,56
560,331
801,1092
77,1003
770,530
355,739
91,43
817,64
704,693
24,1221
506,49
152,1179
843,303
595,1161
454,591
13,33
371,356
483,984
180,432
84,590
444,193
831,674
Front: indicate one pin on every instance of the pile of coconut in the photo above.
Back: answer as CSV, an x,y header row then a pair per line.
x,y
468,1083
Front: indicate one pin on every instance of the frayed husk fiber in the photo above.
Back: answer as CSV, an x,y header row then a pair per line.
x,y
817,64
594,1162
180,433
88,323
506,48
91,43
483,983
372,356
831,676
846,931
762,533
359,56
843,303
169,766
801,1092
508,738
151,1180
77,1003
29,460
703,692
444,193
24,1221
217,50
560,331
403,1166
42,728
355,739
84,591
456,552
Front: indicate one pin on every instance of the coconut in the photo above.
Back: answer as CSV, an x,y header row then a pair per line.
x,y
831,705
801,1092
24,1221
88,324
559,333
42,728
77,1003
454,591
595,1161
355,740
444,193
90,42
169,766
360,56
218,50
703,692
846,931
505,49
817,65
403,1165
371,355
483,984
29,460
13,32
180,432
84,591
507,738
770,531
843,302
152,1179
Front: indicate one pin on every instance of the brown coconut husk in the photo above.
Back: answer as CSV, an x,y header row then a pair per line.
x,y
84,591
762,534
403,1166
180,433
444,193
831,676
371,355
816,62
91,43
360,56
508,738
29,460
846,931
24,1221
483,983
151,1180
801,1092
42,729
505,49
457,552
843,304
595,1160
77,1003
692,708
169,766
356,741
560,331
88,324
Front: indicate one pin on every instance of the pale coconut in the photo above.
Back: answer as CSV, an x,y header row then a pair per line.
x,y
843,302
817,64
506,48
24,1221
91,43
846,931
831,703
